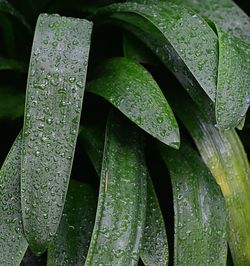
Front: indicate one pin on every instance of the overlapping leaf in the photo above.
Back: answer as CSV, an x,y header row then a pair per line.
x,y
121,211
180,38
54,95
200,219
70,244
224,155
130,88
154,249
12,241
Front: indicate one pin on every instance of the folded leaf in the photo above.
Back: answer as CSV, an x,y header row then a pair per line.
x,y
70,244
200,216
173,33
131,89
121,210
224,155
12,241
154,249
54,96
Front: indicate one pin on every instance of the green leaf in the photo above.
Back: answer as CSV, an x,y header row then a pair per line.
x,y
200,217
173,33
121,210
7,8
233,87
10,64
154,249
55,87
224,155
71,242
11,103
12,241
131,89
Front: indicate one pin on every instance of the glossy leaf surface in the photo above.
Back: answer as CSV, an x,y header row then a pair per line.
x,y
200,219
154,249
70,244
54,96
174,34
130,88
12,241
225,156
121,211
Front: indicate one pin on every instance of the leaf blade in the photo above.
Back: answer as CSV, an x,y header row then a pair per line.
x,y
198,203
54,96
131,89
12,241
70,244
122,198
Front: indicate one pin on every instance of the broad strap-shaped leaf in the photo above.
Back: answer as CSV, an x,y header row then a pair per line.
x,y
174,33
232,96
224,155
7,8
11,103
70,244
131,89
154,249
200,216
55,88
121,211
233,87
225,13
10,64
12,241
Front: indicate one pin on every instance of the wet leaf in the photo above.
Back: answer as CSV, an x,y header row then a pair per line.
x,y
121,211
182,40
233,87
200,217
225,156
12,241
131,89
154,249
54,96
70,244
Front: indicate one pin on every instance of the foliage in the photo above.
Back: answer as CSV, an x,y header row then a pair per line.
x,y
144,101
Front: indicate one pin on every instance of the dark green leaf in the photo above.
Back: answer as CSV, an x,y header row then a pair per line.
x,y
200,217
179,37
12,241
121,210
11,103
233,87
54,96
154,249
130,88
70,244
224,155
